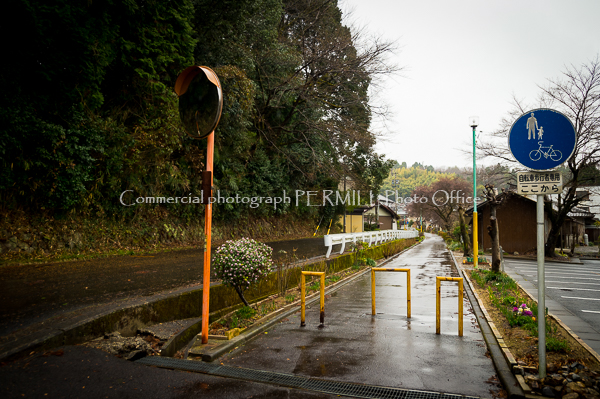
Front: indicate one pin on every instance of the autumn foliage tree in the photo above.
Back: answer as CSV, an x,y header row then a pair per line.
x,y
440,200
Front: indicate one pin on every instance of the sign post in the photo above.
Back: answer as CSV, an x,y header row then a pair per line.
x,y
541,139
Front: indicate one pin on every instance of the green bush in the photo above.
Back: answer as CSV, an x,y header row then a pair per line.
x,y
455,246
332,279
557,345
245,312
456,235
290,298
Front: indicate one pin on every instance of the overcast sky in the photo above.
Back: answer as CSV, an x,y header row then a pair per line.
x,y
468,57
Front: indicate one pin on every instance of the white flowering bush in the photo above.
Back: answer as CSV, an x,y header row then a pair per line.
x,y
242,262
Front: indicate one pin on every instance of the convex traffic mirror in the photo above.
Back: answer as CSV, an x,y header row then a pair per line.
x,y
200,100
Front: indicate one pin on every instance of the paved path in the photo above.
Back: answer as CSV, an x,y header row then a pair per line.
x,y
572,293
387,349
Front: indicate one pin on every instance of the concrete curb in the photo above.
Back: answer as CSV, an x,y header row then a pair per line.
x,y
181,339
497,348
213,354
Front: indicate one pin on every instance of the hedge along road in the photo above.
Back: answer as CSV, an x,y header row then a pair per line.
x,y
32,293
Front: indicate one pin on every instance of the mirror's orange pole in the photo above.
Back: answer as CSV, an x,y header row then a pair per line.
x,y
210,147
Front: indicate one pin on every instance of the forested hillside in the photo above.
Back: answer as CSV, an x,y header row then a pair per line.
x,y
405,180
88,110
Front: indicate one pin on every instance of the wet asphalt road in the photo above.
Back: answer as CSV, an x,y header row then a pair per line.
x,y
79,372
387,349
33,293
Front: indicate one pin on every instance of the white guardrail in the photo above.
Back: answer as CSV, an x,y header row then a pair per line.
x,y
370,237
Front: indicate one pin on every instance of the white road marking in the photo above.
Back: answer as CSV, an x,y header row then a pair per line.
x,y
579,278
570,282
560,268
591,311
573,289
559,271
578,297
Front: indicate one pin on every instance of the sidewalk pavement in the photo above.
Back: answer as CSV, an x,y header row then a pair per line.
x,y
589,251
387,349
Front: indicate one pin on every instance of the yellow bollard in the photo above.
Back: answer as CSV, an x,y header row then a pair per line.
x,y
372,292
383,269
303,297
438,300
475,246
322,310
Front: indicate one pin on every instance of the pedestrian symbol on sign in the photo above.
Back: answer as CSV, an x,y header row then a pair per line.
x,y
531,126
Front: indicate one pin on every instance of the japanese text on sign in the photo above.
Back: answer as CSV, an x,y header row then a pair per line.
x,y
539,183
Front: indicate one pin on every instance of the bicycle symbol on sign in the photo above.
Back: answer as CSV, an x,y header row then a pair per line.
x,y
554,155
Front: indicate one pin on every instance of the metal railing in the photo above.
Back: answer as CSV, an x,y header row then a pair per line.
x,y
438,302
383,269
321,276
370,237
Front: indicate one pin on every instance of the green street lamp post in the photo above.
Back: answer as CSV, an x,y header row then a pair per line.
x,y
474,122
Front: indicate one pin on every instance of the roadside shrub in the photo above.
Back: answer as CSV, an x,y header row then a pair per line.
x,y
557,345
519,312
393,247
242,262
290,298
284,269
332,279
455,246
246,312
456,236
370,227
359,253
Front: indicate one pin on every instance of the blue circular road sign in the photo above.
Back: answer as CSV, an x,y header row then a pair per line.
x,y
542,139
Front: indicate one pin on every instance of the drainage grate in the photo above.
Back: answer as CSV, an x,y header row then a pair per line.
x,y
289,380
179,364
356,390
294,381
